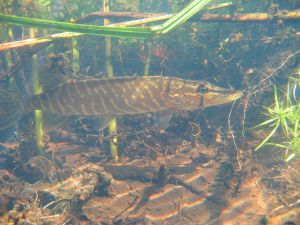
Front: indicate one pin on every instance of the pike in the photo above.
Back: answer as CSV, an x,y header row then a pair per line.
x,y
115,97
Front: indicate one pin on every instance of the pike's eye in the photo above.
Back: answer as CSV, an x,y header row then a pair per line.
x,y
202,90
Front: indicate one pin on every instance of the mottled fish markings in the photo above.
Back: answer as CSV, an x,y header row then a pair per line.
x,y
130,95
123,96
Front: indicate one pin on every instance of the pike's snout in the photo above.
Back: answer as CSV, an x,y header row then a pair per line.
x,y
234,95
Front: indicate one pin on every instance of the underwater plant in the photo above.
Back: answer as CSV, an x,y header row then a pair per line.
x,y
283,117
106,30
128,32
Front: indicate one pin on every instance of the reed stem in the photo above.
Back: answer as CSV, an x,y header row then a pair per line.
x,y
37,89
112,126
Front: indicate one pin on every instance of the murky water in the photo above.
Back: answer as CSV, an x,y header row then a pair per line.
x,y
172,165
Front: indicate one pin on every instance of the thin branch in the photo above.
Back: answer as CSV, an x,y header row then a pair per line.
x,y
118,15
50,38
285,16
144,18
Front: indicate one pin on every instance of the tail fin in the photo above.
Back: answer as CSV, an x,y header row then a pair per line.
x,y
10,108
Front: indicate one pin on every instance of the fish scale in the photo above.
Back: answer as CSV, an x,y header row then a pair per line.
x,y
106,95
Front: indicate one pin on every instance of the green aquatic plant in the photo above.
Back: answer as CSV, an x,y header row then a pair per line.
x,y
112,126
283,117
129,32
37,89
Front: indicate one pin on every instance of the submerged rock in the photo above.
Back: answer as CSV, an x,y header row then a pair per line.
x,y
138,169
123,199
80,184
37,168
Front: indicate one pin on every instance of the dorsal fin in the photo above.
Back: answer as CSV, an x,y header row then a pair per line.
x,y
54,72
49,81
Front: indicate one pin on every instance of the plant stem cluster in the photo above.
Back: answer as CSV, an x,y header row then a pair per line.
x,y
283,117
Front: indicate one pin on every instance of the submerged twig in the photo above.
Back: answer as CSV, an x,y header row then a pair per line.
x,y
119,15
143,18
285,16
53,37
233,137
254,89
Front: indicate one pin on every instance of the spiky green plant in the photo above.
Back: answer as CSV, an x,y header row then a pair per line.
x,y
283,117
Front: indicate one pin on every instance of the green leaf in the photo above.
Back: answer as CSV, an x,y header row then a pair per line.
x,y
264,123
268,137
128,32
296,128
44,3
290,157
277,145
136,32
181,17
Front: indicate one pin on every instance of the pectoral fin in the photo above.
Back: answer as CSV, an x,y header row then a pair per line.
x,y
101,123
162,119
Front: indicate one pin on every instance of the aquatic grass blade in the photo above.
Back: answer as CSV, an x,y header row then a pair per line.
x,y
181,17
114,31
270,110
129,32
295,91
296,128
285,114
288,93
276,99
290,157
264,123
284,124
277,145
268,137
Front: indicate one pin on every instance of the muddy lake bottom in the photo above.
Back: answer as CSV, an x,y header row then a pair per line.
x,y
160,178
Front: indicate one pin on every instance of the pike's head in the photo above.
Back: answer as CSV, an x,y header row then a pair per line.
x,y
191,95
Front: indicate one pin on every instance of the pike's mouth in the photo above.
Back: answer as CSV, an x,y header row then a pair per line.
x,y
227,97
235,95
